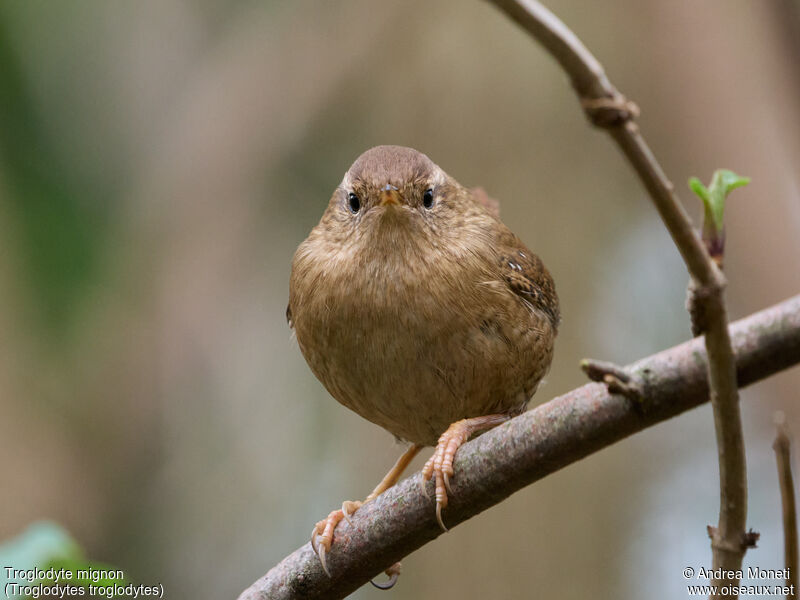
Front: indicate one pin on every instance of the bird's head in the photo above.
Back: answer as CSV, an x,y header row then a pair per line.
x,y
391,181
396,203
391,188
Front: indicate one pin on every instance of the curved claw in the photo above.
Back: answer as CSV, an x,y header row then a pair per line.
x,y
346,514
348,508
439,516
394,573
323,562
447,483
387,585
314,540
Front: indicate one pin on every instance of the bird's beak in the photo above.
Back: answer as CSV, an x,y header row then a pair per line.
x,y
390,196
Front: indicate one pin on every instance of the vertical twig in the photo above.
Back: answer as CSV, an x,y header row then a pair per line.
x,y
606,107
782,447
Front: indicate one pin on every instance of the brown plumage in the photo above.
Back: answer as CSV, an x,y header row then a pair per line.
x,y
416,307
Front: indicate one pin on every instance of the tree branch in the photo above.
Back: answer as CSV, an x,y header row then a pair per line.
x,y
597,94
607,107
783,456
526,449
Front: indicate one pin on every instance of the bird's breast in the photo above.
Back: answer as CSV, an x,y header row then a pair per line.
x,y
414,341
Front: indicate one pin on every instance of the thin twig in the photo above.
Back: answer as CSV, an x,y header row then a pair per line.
x,y
525,449
617,380
782,447
593,87
598,370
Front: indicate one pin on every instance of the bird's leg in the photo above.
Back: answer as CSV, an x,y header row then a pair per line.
x,y
441,463
322,534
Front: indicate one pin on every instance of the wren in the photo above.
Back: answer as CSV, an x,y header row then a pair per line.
x,y
417,308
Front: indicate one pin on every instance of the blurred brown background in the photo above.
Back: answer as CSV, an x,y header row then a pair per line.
x,y
160,161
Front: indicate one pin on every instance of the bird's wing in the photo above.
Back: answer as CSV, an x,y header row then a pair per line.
x,y
526,275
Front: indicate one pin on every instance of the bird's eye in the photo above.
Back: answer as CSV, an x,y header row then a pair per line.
x,y
353,203
427,198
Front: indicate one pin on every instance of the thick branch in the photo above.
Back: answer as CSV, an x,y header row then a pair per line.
x,y
527,448
606,107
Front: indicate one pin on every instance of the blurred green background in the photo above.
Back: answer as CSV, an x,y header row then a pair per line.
x,y
160,160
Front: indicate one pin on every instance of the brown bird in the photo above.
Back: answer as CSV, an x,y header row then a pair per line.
x,y
417,308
